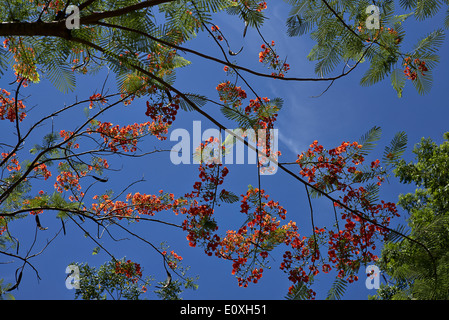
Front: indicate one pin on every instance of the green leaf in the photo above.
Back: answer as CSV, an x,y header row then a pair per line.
x,y
179,62
398,19
395,234
61,75
396,148
198,100
236,114
426,8
368,140
337,290
96,250
297,26
430,43
3,60
228,196
329,57
378,70
446,20
300,291
398,81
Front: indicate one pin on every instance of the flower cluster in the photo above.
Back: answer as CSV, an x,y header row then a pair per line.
x,y
160,59
261,6
397,38
199,224
3,225
417,64
66,135
266,112
27,203
199,221
67,180
96,97
125,137
41,169
259,235
231,94
163,113
131,270
269,57
14,163
217,33
361,221
136,205
172,259
25,66
8,107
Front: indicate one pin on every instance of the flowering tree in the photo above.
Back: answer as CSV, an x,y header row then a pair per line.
x,y
143,43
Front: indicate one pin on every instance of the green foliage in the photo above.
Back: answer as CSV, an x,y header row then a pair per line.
x,y
412,269
340,32
139,50
398,81
337,290
396,148
110,281
369,140
247,11
199,101
4,294
300,291
105,282
228,196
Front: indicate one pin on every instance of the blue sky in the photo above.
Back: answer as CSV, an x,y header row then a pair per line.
x,y
343,113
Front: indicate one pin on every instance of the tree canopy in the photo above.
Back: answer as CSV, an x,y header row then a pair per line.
x,y
65,172
414,273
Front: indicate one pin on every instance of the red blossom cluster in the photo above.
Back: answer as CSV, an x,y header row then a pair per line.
x,y
417,64
397,38
172,259
136,205
160,62
3,225
8,107
261,6
230,93
268,56
351,244
131,270
199,225
67,180
42,169
56,5
217,33
96,97
266,119
25,67
26,202
161,112
14,164
199,220
125,137
159,58
66,135
248,247
336,170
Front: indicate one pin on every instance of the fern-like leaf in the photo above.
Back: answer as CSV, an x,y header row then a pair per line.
x,y
398,81
396,148
369,139
337,290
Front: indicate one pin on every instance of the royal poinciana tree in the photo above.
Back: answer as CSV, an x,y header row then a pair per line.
x,y
143,43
